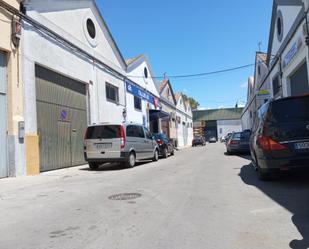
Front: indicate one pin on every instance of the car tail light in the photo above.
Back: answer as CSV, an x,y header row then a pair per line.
x,y
233,142
268,144
122,137
86,133
159,142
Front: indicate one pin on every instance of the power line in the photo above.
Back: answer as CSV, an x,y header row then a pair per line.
x,y
204,73
210,73
198,74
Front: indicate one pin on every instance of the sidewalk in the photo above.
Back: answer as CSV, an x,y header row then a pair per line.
x,y
21,183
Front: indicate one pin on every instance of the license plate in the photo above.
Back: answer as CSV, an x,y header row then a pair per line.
x,y
302,146
103,146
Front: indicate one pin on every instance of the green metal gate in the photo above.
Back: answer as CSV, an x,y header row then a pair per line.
x,y
61,118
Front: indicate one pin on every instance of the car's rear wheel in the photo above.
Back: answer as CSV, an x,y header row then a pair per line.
x,y
131,160
262,175
165,153
93,165
156,156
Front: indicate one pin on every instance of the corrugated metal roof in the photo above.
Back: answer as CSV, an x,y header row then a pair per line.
x,y
217,114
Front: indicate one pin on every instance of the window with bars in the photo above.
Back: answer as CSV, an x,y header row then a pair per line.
x,y
112,93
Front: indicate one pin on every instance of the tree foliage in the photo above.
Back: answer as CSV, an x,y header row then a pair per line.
x,y
193,103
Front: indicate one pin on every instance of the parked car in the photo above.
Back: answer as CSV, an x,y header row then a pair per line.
x,y
280,139
124,143
198,141
227,137
212,139
238,143
166,146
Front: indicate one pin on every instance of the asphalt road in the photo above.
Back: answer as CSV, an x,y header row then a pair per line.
x,y
200,198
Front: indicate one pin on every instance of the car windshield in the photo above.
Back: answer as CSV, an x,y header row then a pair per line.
x,y
237,136
290,110
103,132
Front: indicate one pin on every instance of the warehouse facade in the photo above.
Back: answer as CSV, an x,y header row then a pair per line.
x,y
217,122
72,79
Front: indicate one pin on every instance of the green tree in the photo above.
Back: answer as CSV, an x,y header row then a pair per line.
x,y
193,103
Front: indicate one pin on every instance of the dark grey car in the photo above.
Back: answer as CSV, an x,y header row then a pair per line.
x,y
126,143
238,143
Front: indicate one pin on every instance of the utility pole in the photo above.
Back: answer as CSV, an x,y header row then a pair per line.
x,y
260,46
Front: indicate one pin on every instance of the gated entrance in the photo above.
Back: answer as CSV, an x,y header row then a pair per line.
x,y
62,119
3,116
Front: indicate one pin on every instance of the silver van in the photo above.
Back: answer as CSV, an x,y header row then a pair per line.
x,y
126,143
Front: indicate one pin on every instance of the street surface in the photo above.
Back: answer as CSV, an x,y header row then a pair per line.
x,y
198,199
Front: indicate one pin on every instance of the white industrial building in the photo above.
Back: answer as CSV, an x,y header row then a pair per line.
x,y
283,70
73,75
184,121
142,96
217,122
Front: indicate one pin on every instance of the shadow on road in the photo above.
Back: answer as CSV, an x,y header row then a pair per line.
x,y
291,191
242,155
113,167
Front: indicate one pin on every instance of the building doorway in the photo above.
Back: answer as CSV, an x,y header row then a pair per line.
x,y
61,118
299,81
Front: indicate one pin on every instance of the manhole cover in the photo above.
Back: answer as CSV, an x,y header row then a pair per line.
x,y
124,196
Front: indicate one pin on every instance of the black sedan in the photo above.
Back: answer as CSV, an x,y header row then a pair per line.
x,y
198,141
166,146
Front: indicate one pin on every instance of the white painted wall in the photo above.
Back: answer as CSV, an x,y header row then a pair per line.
x,y
184,131
137,69
146,84
246,120
36,49
68,18
289,15
298,60
227,126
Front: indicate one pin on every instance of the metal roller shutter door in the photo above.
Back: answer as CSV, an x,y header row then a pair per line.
x,y
3,117
62,119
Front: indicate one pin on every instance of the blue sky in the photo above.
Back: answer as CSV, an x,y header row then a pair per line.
x,y
187,37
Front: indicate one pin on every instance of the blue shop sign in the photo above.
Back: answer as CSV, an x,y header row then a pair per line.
x,y
292,52
136,91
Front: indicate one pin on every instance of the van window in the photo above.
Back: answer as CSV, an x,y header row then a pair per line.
x,y
148,133
290,110
135,131
130,131
140,132
103,132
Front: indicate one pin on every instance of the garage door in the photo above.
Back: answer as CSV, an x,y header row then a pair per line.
x,y
299,81
62,119
3,120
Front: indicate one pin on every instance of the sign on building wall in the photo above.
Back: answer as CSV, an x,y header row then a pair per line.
x,y
292,52
137,91
263,94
